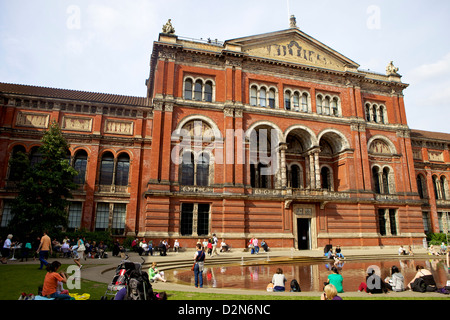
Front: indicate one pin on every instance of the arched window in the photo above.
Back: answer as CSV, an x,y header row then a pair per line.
x,y
208,91
367,112
296,100
420,186
319,104
304,102
13,172
443,187
376,180
122,170
262,97
287,100
295,177
203,170
35,156
272,98
386,181
382,114
80,164
325,177
374,114
326,106
106,169
334,107
254,96
198,88
187,169
201,90
188,89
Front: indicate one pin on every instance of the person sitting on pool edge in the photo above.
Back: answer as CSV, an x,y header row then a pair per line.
x,y
279,281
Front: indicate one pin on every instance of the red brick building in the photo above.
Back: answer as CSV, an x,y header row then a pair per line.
x,y
188,160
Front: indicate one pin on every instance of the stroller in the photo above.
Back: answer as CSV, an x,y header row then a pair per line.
x,y
124,271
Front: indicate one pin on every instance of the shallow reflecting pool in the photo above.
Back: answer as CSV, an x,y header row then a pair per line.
x,y
310,276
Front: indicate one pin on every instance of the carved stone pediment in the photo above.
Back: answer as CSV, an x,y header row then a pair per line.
x,y
293,46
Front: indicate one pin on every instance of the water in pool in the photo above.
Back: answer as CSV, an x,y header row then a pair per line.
x,y
311,276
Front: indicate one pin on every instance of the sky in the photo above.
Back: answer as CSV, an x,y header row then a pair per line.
x,y
105,45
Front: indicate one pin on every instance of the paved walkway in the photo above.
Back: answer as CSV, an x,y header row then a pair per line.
x,y
102,270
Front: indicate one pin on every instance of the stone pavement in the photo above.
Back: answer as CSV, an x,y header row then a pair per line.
x,y
102,270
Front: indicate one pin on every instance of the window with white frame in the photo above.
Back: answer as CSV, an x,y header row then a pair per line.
x,y
75,213
194,219
328,105
111,216
296,100
375,112
199,89
263,96
387,222
6,214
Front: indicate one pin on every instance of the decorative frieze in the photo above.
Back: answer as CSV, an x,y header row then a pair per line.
x,y
77,123
33,120
119,127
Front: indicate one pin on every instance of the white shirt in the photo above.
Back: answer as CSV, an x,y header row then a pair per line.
x,y
278,279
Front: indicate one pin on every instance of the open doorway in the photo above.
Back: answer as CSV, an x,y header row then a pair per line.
x,y
303,233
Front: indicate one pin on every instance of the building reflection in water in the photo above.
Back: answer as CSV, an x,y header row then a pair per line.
x,y
310,276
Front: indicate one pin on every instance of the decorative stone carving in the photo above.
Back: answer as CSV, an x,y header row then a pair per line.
x,y
77,123
34,120
391,70
292,22
379,147
168,28
435,156
119,127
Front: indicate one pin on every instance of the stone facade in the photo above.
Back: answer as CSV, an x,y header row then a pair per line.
x,y
347,165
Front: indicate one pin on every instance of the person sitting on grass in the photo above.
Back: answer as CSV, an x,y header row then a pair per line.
x,y
50,288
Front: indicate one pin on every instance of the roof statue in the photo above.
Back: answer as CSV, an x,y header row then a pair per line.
x,y
391,70
292,22
168,28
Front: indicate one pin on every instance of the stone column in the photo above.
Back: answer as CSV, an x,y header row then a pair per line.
x,y
317,169
283,148
312,171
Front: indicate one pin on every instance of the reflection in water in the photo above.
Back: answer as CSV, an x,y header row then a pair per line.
x,y
310,276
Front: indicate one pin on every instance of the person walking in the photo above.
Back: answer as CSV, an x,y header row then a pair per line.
x,y
43,250
215,241
199,262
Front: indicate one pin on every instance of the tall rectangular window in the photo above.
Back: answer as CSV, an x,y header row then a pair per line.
x,y
381,222
440,222
6,215
187,213
75,213
102,217
393,221
194,220
426,222
203,220
118,221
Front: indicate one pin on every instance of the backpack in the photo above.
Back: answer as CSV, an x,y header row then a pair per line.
x,y
138,286
419,285
295,287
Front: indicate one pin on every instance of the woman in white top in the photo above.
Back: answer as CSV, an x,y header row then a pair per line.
x,y
279,280
6,250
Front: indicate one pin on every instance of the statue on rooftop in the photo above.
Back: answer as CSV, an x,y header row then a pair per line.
x,y
293,22
391,70
168,28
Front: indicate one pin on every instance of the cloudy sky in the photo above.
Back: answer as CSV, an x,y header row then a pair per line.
x,y
105,45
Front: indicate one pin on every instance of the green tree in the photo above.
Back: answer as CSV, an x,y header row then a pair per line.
x,y
44,187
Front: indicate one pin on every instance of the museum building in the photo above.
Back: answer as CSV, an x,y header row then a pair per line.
x,y
274,135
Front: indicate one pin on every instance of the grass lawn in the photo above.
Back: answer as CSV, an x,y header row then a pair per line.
x,y
27,278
